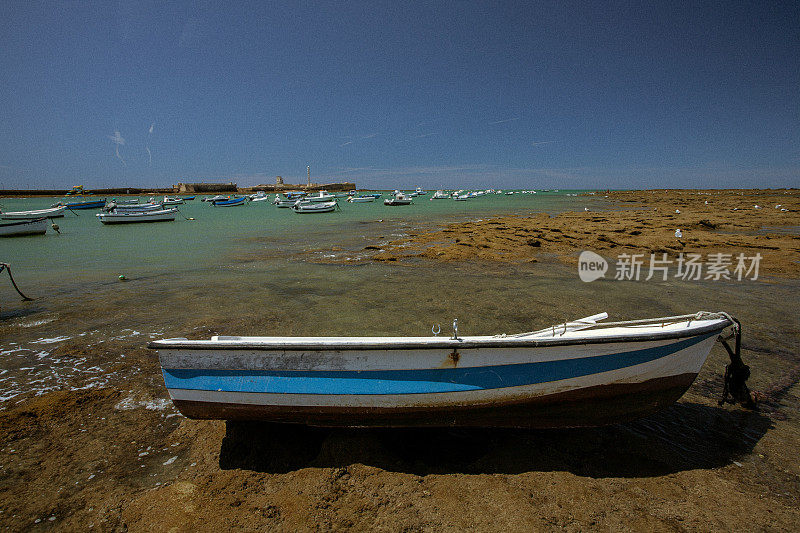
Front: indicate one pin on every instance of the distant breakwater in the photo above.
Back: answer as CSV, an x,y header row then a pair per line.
x,y
205,188
93,192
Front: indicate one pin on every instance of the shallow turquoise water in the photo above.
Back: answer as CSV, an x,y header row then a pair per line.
x,y
87,250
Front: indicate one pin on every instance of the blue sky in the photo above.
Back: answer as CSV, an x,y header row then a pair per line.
x,y
394,94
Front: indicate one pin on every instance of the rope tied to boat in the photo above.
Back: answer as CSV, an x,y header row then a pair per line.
x,y
735,388
7,268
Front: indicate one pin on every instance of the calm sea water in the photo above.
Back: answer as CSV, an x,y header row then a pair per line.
x,y
87,251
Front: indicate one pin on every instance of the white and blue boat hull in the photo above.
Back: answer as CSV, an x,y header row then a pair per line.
x,y
577,379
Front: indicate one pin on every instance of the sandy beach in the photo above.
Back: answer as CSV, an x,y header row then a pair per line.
x,y
118,457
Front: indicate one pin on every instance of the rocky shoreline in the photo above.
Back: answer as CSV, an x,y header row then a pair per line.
x,y
639,222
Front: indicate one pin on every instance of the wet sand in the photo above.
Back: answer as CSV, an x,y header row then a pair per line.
x,y
101,447
643,222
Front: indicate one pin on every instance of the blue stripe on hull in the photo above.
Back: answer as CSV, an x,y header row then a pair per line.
x,y
430,380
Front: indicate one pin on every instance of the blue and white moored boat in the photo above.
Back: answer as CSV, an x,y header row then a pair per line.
x,y
578,373
88,204
229,202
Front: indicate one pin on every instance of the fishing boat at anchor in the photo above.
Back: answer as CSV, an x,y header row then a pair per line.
x,y
284,203
215,198
320,197
229,202
89,204
132,208
51,212
260,196
24,227
172,201
361,199
128,217
306,207
579,373
398,199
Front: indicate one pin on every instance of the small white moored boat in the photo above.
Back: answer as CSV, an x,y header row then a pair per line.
x,y
172,201
24,227
320,196
260,196
132,208
304,206
398,199
161,215
51,212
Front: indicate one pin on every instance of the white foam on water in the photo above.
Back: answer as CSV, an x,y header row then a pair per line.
x,y
39,373
35,323
51,341
130,403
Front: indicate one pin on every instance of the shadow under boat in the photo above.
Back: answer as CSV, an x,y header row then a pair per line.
x,y
681,437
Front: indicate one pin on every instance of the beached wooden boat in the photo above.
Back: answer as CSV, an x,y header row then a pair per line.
x,y
578,373
128,217
24,227
307,207
51,212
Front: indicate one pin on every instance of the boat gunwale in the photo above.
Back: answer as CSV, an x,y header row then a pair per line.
x,y
449,343
30,221
33,214
135,214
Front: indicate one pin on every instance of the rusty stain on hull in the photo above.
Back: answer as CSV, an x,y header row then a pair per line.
x,y
586,407
454,357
